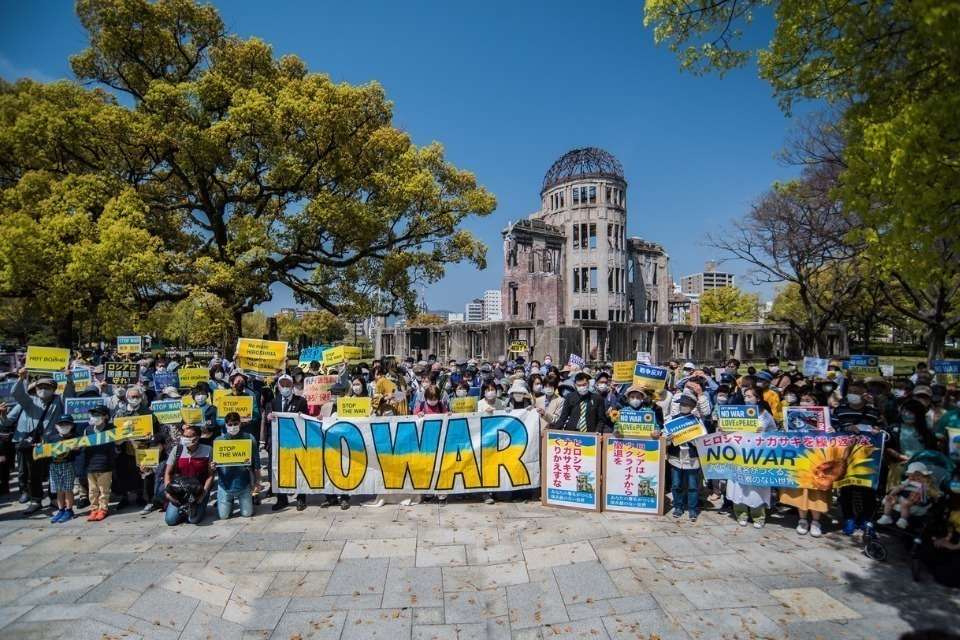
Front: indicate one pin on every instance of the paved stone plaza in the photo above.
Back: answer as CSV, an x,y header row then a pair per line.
x,y
465,570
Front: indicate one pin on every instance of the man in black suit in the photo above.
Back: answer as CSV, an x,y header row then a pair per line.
x,y
583,410
286,402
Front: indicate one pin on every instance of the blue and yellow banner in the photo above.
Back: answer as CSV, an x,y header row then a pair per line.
x,y
803,459
633,475
742,417
126,428
683,429
636,422
572,470
649,376
404,454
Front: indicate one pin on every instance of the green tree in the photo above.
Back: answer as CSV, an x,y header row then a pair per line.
x,y
892,67
728,304
254,325
247,170
323,326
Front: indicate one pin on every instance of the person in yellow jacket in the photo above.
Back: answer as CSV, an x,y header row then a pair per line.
x,y
772,397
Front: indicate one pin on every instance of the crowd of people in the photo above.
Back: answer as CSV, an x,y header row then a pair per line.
x,y
914,412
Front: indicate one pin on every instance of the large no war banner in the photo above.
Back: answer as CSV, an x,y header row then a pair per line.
x,y
802,459
401,454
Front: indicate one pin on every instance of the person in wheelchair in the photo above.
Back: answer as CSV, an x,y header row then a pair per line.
x,y
910,498
188,479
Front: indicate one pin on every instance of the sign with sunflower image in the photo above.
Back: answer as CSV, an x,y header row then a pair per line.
x,y
802,459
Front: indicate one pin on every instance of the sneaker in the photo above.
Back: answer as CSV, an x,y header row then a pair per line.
x,y
849,526
677,513
885,519
743,520
282,502
815,531
56,515
902,523
693,516
148,509
301,503
102,515
63,516
379,502
406,502
488,499
802,528
758,523
24,498
92,517
82,502
32,508
344,503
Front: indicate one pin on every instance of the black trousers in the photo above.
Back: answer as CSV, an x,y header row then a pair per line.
x,y
31,473
859,503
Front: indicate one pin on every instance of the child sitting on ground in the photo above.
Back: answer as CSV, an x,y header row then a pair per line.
x,y
911,497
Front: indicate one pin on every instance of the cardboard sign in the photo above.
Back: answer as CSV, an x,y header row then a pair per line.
x,y
742,417
683,429
518,346
192,415
226,403
623,371
467,404
79,408
316,389
147,457
338,355
571,470
229,452
81,380
129,344
649,376
47,359
191,376
133,427
633,471
636,422
261,356
644,357
164,379
353,407
815,367
121,373
806,418
167,411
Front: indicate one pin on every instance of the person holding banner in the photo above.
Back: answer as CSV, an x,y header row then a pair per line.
x,y
99,461
286,401
238,387
201,398
235,483
218,378
130,478
855,415
749,501
685,463
62,469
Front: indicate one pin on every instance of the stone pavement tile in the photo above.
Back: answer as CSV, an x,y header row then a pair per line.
x,y
560,554
60,590
310,625
58,612
443,556
187,552
245,541
688,545
228,560
729,624
126,545
479,578
25,564
644,527
30,534
673,601
11,614
488,630
617,552
812,604
494,553
7,550
86,564
474,606
584,581
724,593
299,583
206,623
164,608
792,581
644,624
379,548
771,562
358,576
12,590
587,629
316,560
335,603
613,606
568,530
535,604
835,564
680,568
427,616
879,628
193,588
631,581
250,586
259,613
444,536
122,589
60,544
40,630
413,587
363,531
377,624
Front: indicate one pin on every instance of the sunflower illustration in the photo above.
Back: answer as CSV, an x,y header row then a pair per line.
x,y
820,468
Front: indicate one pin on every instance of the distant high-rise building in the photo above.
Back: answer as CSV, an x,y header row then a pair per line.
x,y
454,317
474,311
710,278
492,305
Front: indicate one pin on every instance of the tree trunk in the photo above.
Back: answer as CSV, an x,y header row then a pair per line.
x,y
936,341
867,331
238,328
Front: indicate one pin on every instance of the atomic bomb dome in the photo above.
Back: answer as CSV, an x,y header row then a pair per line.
x,y
589,162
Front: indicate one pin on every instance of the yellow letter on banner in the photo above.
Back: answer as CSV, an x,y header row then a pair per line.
x,y
336,437
458,458
293,452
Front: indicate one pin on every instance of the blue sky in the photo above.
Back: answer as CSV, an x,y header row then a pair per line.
x,y
508,87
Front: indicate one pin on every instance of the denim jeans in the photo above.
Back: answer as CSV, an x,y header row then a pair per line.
x,y
174,515
686,489
225,499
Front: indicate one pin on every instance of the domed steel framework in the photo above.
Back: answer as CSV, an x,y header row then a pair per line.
x,y
590,162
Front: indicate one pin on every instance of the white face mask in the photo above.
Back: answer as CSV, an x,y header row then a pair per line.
x,y
286,392
218,375
547,363
200,399
64,429
635,402
188,442
537,388
96,421
432,403
233,429
44,394
518,397
357,389
133,403
854,398
899,393
722,399
583,390
774,369
791,398
461,393
602,387
490,396
548,391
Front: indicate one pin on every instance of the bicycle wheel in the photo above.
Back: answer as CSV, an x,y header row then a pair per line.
x,y
875,551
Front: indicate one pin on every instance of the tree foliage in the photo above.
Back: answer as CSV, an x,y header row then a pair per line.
x,y
891,68
231,171
728,304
